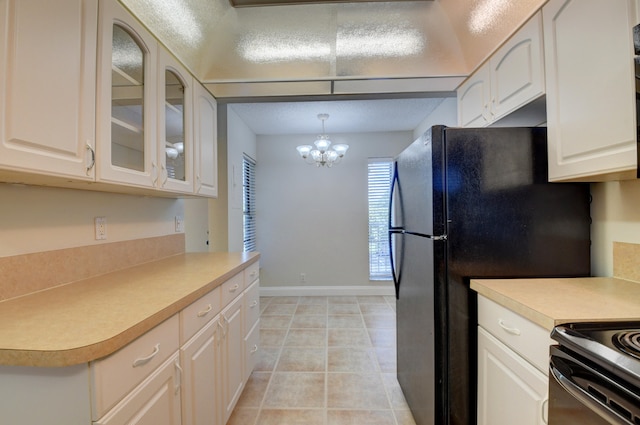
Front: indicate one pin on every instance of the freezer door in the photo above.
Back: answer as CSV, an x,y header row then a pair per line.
x,y
420,184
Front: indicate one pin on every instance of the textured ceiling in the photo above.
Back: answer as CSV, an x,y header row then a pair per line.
x,y
316,49
351,116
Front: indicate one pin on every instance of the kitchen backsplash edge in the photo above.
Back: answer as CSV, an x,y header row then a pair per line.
x,y
24,274
626,261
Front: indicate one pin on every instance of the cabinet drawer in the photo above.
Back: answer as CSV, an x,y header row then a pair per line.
x,y
198,314
251,273
116,375
252,349
232,288
251,305
521,335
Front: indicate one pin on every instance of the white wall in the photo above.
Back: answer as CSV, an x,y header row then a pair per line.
x,y
445,114
240,139
615,212
35,219
314,220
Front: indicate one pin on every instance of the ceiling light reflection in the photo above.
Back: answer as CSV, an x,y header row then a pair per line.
x,y
485,15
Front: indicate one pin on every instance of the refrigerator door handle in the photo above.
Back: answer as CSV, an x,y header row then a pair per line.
x,y
423,235
394,230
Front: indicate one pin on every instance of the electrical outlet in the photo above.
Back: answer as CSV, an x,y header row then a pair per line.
x,y
101,228
179,224
303,278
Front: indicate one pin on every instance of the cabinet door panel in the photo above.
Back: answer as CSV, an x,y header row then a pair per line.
x,y
473,98
47,86
156,401
517,70
127,85
232,348
590,89
510,390
206,141
200,378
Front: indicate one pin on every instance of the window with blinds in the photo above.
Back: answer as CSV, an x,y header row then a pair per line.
x,y
380,177
249,203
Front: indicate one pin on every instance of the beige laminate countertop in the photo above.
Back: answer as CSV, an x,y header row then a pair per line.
x,y
89,319
549,302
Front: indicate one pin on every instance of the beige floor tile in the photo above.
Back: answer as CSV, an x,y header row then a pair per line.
x,y
268,359
284,300
404,417
345,321
309,321
376,309
353,417
243,416
306,338
325,361
344,308
254,390
348,338
342,300
380,321
356,391
349,359
383,337
312,300
291,417
272,337
298,359
295,390
275,321
311,309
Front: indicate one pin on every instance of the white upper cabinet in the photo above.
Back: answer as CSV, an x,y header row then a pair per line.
x,y
512,78
127,87
591,91
175,124
206,142
47,87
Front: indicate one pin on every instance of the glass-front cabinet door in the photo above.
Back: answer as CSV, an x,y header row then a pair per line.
x,y
127,75
175,123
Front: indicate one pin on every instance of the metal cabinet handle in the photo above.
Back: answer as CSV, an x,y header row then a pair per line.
x,y
144,360
543,410
179,379
254,349
512,331
92,163
205,311
253,304
234,288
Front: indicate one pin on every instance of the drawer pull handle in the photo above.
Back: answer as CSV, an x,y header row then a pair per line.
x,y
234,288
145,360
253,304
179,378
253,273
512,331
254,349
544,410
205,311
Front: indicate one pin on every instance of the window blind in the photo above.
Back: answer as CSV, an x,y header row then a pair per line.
x,y
249,203
380,175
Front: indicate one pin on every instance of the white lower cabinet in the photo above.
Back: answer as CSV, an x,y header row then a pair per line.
x,y
510,390
156,401
232,357
200,379
512,367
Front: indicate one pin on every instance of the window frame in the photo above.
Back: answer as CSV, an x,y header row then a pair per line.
x,y
248,204
379,182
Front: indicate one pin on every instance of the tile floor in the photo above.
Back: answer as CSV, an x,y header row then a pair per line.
x,y
325,361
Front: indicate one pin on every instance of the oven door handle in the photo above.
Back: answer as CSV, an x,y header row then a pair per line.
x,y
583,396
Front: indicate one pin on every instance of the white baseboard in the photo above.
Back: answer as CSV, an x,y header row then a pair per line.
x,y
280,291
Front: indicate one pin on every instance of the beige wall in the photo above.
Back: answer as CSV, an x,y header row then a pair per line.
x,y
615,212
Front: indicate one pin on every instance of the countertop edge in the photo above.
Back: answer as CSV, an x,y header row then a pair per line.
x,y
87,353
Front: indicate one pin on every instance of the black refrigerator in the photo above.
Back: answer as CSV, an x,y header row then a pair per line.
x,y
471,203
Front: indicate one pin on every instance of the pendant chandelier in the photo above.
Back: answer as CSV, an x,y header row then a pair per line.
x,y
323,154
